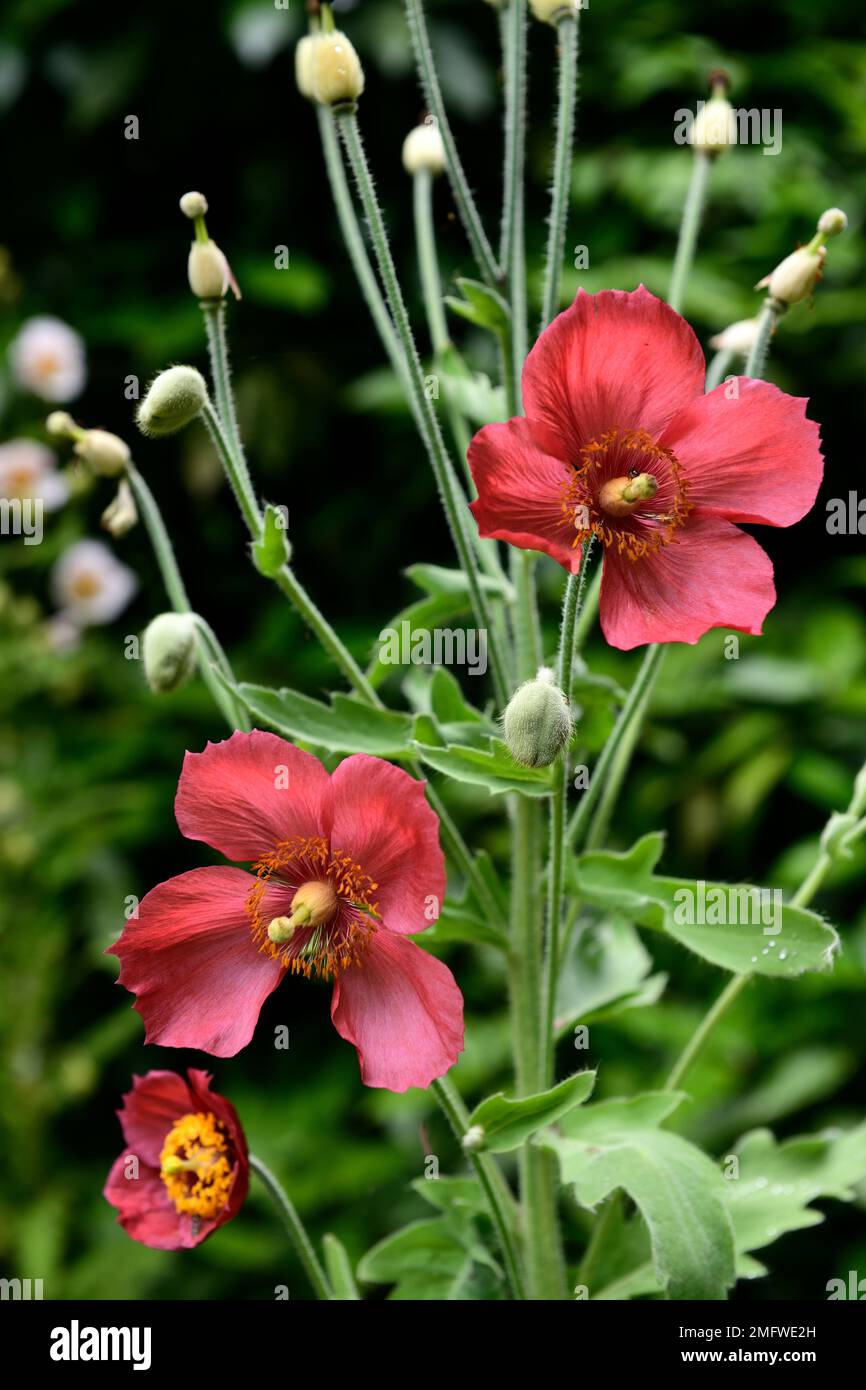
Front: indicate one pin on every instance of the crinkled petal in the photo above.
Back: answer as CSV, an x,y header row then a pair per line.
x,y
710,575
252,790
402,1010
521,491
191,961
382,821
153,1107
614,360
750,456
145,1211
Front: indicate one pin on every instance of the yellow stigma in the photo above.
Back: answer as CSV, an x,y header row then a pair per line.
x,y
195,1166
621,496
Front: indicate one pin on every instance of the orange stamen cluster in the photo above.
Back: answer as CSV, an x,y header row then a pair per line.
x,y
195,1166
649,527
331,946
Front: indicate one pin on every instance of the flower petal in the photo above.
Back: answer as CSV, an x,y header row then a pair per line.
x,y
383,822
245,794
753,456
521,491
153,1106
191,961
711,575
614,360
145,1211
402,1010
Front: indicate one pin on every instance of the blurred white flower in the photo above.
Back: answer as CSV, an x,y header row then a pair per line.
x,y
738,337
62,634
47,358
28,469
90,585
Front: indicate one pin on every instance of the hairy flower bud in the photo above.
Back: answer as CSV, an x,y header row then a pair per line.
x,y
193,205
106,454
738,337
537,722
549,11
168,649
335,74
121,514
174,399
207,270
423,149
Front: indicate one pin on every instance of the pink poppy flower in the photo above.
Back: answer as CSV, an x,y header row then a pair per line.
x,y
346,866
619,441
185,1168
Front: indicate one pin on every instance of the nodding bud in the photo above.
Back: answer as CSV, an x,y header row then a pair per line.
x,y
207,270
832,222
60,425
537,722
173,400
304,66
549,11
121,514
738,337
193,205
168,650
335,74
473,1139
423,149
797,275
106,454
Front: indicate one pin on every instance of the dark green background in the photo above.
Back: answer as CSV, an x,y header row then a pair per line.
x,y
741,762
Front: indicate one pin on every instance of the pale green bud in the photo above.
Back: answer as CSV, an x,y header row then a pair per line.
x,y
537,722
193,205
207,270
423,148
60,425
832,222
796,276
174,399
549,11
106,454
169,649
473,1139
335,73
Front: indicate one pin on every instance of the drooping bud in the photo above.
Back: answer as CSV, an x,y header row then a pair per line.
x,y
106,454
797,275
121,514
336,77
714,128
60,425
622,496
173,400
207,270
168,650
549,11
423,149
537,722
738,337
193,205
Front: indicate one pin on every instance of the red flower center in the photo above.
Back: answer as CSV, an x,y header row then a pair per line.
x,y
332,907
628,491
195,1166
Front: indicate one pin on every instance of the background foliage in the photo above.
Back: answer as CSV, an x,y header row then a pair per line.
x,y
741,761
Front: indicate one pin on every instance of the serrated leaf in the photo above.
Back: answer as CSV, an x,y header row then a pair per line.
x,y
344,726
492,767
755,934
678,1190
509,1123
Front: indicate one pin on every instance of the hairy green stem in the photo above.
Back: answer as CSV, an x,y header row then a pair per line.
x,y
514,211
214,311
294,1228
567,30
768,319
689,227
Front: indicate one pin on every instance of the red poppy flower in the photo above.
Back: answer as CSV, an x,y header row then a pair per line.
x,y
346,866
185,1169
620,442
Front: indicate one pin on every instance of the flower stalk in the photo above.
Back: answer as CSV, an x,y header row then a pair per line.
x,y
568,40
294,1228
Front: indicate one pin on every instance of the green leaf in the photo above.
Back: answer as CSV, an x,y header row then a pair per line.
x,y
492,767
678,1190
437,580
271,552
736,926
509,1123
457,922
344,726
480,305
447,701
604,970
473,393
435,1260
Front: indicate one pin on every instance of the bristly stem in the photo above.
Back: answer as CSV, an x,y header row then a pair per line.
x,y
446,480
514,211
690,225
718,368
294,1228
575,589
491,1183
568,31
206,639
469,216
771,311
214,311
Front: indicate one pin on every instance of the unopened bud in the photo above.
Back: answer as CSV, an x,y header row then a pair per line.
x,y
193,205
796,276
207,270
304,66
423,148
738,337
174,399
60,425
537,722
106,454
549,11
473,1139
714,128
336,77
169,649
121,514
832,222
